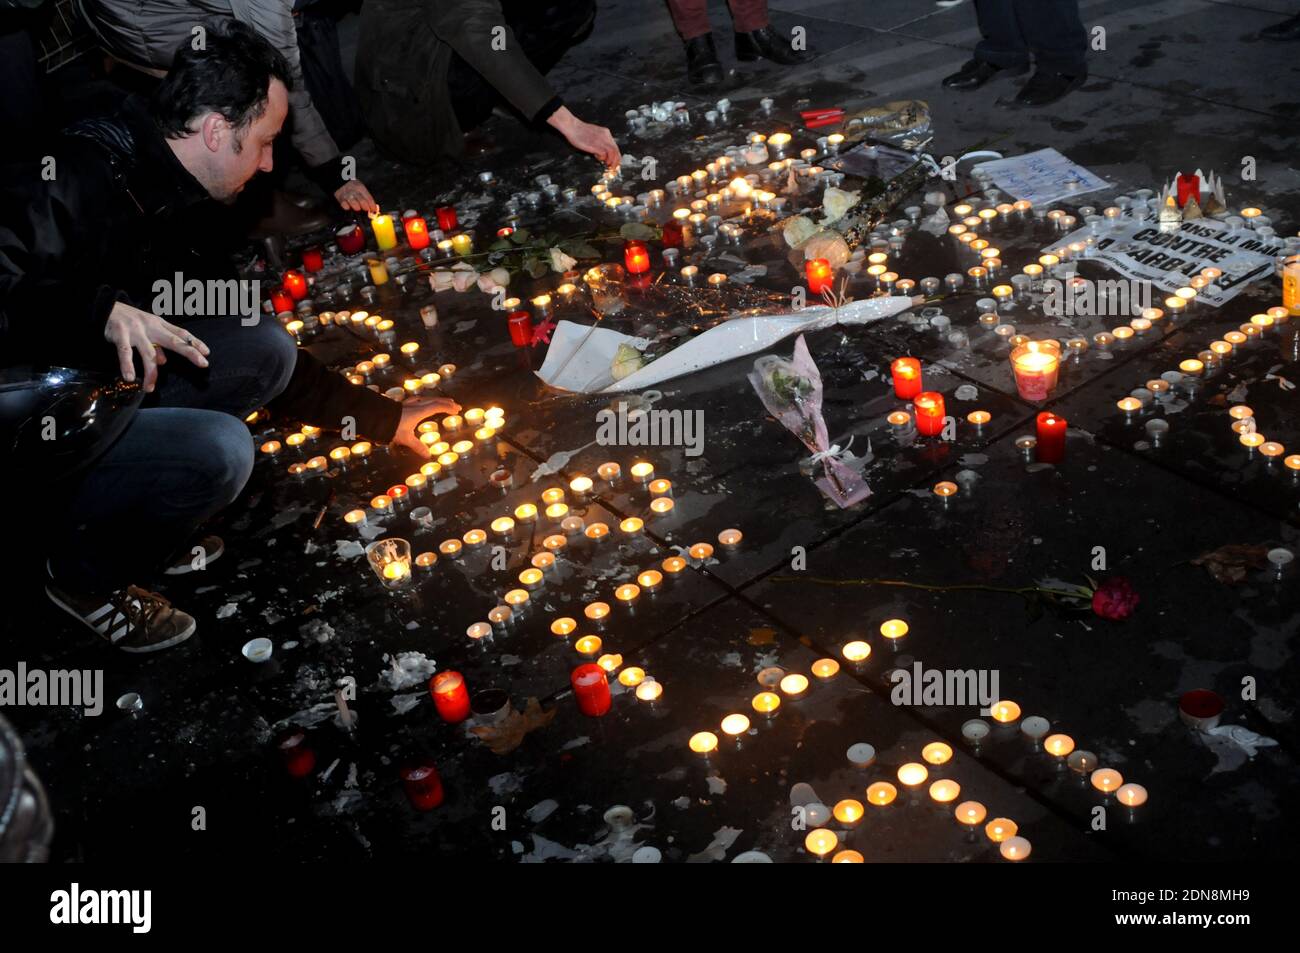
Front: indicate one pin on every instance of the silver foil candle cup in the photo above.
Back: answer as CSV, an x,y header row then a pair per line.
x,y
1157,430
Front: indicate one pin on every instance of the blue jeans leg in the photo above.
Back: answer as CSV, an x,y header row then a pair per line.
x,y
170,471
247,367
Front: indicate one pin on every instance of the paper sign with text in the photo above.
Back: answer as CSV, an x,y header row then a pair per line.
x,y
1169,260
1042,177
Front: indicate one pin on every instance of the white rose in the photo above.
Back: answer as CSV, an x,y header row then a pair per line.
x,y
463,280
440,280
798,230
829,245
835,202
560,262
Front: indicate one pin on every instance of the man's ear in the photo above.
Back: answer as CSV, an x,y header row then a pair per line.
x,y
214,129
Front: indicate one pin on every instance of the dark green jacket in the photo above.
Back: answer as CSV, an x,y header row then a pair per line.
x,y
405,50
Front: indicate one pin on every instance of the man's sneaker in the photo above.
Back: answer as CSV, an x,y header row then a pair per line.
x,y
132,619
212,547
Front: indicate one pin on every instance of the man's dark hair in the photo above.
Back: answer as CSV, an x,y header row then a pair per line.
x,y
229,73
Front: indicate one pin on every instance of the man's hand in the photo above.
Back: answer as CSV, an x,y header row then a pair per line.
x,y
413,413
585,137
132,330
355,197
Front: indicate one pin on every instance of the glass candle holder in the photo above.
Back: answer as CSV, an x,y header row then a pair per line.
x,y
1036,369
605,282
391,561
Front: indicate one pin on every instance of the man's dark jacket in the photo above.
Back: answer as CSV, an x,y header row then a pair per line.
x,y
108,212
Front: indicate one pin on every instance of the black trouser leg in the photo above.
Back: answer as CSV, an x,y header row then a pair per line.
x,y
1002,43
544,30
1054,32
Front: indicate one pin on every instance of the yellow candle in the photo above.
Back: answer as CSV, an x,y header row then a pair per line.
x,y
856,651
1059,745
821,842
936,752
766,703
631,677
588,645
825,668
944,791
385,233
1005,712
1015,848
1000,829
649,691
848,811
704,742
794,685
1106,780
893,629
970,813
735,725
881,793
912,774
462,244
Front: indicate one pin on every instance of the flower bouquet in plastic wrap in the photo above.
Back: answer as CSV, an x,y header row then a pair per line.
x,y
791,390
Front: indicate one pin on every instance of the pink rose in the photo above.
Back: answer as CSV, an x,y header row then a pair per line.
x,y
1115,599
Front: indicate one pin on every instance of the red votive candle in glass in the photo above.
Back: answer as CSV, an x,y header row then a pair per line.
x,y
312,259
417,232
450,696
423,786
821,277
281,301
636,257
295,282
1189,187
907,377
672,234
929,413
299,759
447,220
1051,437
520,324
351,239
591,689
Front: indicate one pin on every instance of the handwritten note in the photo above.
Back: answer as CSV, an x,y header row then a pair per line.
x,y
1042,177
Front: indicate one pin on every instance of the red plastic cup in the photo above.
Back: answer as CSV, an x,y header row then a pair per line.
x,y
417,232
295,282
312,259
591,689
672,234
636,257
422,785
820,274
447,220
520,324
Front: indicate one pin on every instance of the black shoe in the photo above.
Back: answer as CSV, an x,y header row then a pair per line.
x,y
977,72
702,65
1044,88
769,45
1286,30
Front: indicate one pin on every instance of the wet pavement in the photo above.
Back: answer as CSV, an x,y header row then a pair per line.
x,y
807,578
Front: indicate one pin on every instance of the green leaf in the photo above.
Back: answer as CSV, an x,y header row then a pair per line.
x,y
535,267
639,232
579,249
519,236
501,244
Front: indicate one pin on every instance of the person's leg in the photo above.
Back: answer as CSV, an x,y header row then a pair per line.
x,y
170,471
1001,50
690,17
247,367
545,31
1002,42
1053,31
747,15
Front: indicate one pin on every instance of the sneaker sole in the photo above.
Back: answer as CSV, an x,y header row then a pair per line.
x,y
143,650
184,569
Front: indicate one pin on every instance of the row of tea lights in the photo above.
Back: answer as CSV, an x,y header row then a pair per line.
x,y
1243,425
596,612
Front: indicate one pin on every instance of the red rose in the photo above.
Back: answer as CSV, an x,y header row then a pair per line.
x,y
1115,599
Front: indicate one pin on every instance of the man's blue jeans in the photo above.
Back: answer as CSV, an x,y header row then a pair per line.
x,y
186,455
